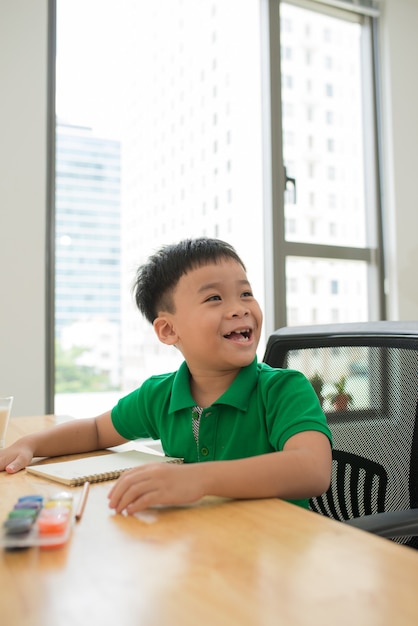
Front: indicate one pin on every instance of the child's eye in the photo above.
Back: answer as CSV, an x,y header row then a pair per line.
x,y
213,298
247,294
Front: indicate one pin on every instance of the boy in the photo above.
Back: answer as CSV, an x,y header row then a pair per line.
x,y
245,430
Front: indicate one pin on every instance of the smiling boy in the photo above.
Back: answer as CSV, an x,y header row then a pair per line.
x,y
244,429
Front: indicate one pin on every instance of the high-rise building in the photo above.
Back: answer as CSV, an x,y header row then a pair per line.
x,y
192,148
183,91
324,147
87,276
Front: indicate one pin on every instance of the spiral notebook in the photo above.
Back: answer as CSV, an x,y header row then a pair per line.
x,y
97,468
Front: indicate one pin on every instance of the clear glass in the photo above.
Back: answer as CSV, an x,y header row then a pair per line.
x,y
6,403
323,130
350,372
322,291
153,145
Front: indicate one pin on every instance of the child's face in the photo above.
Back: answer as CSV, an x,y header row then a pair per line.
x,y
217,321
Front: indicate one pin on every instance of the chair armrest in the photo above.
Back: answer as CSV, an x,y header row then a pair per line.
x,y
389,524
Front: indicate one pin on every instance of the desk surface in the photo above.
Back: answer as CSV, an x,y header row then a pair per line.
x,y
222,563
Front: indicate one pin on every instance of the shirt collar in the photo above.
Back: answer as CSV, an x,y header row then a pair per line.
x,y
237,395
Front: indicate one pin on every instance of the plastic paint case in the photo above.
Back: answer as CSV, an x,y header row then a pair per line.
x,y
34,505
34,497
53,520
18,525
28,513
53,504
35,521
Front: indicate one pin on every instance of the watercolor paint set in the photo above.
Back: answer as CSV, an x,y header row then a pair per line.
x,y
38,521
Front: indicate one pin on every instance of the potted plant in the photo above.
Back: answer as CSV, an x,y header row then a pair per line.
x,y
317,383
340,398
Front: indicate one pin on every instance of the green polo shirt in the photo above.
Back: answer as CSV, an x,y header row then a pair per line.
x,y
257,414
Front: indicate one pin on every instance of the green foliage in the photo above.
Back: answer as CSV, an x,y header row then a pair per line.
x,y
340,390
70,377
317,382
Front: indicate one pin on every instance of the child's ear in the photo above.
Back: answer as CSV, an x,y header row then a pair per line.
x,y
165,331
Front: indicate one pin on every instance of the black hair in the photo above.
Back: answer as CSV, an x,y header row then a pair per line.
x,y
157,278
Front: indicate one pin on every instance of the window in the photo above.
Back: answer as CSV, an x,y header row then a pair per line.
x,y
329,90
287,53
288,81
331,161
291,225
329,117
154,145
293,285
332,201
150,137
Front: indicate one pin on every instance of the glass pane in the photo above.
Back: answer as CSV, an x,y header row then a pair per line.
x,y
372,378
322,291
153,145
342,376
323,132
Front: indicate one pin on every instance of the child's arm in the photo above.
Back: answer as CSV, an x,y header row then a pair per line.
x,y
83,435
301,470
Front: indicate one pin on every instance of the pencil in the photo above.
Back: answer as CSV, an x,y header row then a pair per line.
x,y
82,501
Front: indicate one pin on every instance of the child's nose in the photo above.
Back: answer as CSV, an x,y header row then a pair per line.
x,y
239,311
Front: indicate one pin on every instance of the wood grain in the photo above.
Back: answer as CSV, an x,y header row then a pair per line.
x,y
219,562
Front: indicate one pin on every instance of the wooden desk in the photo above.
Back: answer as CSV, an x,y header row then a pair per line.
x,y
222,563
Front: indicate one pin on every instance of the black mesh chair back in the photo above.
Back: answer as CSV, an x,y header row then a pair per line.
x,y
366,378
359,487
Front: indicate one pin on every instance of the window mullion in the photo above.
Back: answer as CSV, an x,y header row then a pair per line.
x,y
295,248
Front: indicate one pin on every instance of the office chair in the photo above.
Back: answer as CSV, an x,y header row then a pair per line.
x,y
374,365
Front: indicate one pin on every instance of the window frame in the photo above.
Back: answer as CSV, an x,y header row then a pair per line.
x,y
277,248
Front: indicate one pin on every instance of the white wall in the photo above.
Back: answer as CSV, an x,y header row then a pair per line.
x,y
23,84
23,185
399,52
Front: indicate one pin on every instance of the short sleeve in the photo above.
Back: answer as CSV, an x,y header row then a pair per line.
x,y
291,406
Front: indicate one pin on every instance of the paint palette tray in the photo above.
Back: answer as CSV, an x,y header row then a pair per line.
x,y
38,521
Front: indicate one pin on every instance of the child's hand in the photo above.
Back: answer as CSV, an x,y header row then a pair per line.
x,y
155,483
16,457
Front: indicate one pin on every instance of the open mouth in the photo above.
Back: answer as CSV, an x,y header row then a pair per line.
x,y
241,336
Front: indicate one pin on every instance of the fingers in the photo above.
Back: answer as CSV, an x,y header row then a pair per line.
x,y
15,457
15,465
135,490
152,484
131,503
